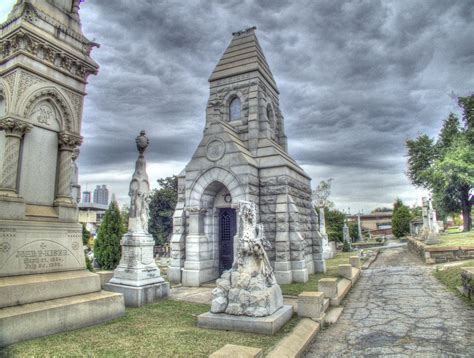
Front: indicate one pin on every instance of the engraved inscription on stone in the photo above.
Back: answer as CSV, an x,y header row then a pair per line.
x,y
35,257
43,258
215,149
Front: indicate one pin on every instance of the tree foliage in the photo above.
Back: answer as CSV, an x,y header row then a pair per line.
x,y
400,219
107,249
381,210
162,205
354,230
334,224
446,166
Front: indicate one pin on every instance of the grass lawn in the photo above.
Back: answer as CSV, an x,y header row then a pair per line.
x,y
164,329
456,239
295,289
451,277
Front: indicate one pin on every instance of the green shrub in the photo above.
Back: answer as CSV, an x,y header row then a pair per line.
x,y
346,246
107,248
400,219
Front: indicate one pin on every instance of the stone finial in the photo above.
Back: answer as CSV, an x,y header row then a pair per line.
x,y
142,142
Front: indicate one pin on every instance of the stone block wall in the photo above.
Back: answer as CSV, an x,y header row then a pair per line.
x,y
435,255
467,281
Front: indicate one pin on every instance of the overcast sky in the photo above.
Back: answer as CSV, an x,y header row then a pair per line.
x,y
356,79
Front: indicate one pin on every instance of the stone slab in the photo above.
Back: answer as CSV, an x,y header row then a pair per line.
x,y
343,288
105,276
333,315
139,296
298,341
39,319
20,290
235,351
262,325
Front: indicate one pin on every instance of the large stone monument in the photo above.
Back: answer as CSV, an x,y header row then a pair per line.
x,y
137,276
44,64
243,155
249,289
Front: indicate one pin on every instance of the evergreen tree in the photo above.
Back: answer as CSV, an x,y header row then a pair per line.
x,y
86,235
400,219
162,205
107,244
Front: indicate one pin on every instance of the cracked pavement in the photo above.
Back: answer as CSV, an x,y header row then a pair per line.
x,y
399,309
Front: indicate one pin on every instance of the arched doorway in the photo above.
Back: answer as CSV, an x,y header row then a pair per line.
x,y
220,223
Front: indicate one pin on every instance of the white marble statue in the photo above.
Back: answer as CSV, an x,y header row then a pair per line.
x,y
320,200
249,288
139,190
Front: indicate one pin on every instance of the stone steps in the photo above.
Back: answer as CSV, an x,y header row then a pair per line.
x,y
332,315
38,319
20,290
343,287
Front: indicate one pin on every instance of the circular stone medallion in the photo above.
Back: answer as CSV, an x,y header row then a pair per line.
x,y
215,149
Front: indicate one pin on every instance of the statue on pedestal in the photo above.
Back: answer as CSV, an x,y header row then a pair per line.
x,y
137,276
320,200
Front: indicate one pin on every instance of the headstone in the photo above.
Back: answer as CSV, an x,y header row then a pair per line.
x,y
430,231
45,65
137,276
249,288
345,233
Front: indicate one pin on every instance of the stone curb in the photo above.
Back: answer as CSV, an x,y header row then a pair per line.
x,y
298,341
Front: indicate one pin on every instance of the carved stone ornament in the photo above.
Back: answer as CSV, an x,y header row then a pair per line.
x,y
250,287
69,141
215,149
14,127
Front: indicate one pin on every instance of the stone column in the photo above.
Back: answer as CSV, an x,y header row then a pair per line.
x,y
14,131
67,144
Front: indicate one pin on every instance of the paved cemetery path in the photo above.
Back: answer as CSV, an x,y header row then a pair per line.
x,y
398,308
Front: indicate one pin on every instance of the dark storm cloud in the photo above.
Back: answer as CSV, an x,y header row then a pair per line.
x,y
357,79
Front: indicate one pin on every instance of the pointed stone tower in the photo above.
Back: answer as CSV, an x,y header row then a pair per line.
x,y
44,285
243,156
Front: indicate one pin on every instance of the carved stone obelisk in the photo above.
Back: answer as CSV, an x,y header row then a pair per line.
x,y
137,277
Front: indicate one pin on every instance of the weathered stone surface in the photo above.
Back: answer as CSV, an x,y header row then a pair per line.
x,y
398,308
311,305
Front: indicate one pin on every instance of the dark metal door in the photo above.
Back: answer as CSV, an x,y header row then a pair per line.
x,y
227,229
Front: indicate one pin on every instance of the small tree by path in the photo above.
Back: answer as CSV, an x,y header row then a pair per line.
x,y
107,249
400,219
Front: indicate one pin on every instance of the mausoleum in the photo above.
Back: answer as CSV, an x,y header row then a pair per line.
x,y
243,155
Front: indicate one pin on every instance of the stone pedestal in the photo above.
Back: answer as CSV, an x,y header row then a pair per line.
x,y
268,325
137,277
